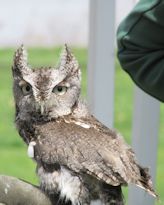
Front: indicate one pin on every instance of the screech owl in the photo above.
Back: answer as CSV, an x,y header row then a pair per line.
x,y
78,158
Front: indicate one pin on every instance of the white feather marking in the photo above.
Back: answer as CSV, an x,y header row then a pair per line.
x,y
66,121
82,124
149,191
63,181
30,150
69,185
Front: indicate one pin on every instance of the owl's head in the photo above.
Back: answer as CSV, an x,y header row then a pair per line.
x,y
50,92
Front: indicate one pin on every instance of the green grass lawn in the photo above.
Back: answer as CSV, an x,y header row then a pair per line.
x,y
13,157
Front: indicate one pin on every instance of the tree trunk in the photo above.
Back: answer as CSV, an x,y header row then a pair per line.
x,y
14,191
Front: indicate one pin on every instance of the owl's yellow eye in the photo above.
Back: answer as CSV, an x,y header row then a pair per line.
x,y
26,89
59,90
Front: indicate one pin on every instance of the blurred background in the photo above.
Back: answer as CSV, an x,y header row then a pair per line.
x,y
50,22
44,26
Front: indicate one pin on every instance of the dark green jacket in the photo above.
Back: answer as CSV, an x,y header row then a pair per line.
x,y
141,46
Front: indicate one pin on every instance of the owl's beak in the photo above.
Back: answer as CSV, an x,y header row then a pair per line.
x,y
42,107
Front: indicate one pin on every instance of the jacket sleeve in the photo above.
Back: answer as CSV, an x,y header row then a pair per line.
x,y
141,46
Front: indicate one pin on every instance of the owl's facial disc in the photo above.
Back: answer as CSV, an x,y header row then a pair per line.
x,y
49,91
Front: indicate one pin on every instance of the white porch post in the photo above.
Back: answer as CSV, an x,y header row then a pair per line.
x,y
101,93
144,141
101,60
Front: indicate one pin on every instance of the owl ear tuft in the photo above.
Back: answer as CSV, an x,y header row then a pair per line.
x,y
68,62
20,61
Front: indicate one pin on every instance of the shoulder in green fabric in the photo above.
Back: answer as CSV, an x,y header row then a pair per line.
x,y
141,44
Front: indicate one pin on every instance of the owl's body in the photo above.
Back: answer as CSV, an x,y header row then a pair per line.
x,y
77,157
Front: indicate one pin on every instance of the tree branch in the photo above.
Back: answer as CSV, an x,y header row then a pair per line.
x,y
14,191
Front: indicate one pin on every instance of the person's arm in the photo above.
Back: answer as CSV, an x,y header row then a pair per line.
x,y
141,46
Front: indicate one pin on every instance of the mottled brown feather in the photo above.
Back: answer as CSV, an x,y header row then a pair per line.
x,y
97,151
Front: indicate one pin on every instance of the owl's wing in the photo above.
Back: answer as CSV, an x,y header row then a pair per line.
x,y
90,147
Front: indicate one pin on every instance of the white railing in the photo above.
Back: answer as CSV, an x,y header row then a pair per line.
x,y
145,140
101,93
101,59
